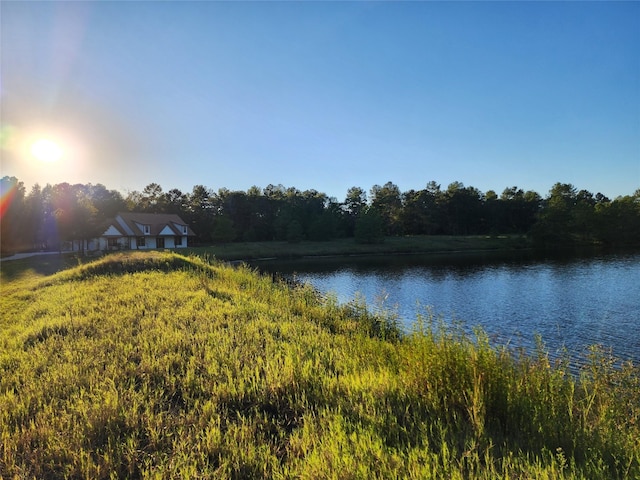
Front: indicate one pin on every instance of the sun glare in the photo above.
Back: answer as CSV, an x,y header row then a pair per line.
x,y
46,150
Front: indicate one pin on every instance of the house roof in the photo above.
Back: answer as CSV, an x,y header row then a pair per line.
x,y
160,224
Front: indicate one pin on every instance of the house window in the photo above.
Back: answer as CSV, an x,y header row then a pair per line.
x,y
141,242
184,229
146,229
177,241
112,242
160,242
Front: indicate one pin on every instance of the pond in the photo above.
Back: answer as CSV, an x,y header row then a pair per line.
x,y
572,303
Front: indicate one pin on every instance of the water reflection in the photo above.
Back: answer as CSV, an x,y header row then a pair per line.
x,y
571,302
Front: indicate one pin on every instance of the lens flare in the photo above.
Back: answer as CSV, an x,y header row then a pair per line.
x,y
7,192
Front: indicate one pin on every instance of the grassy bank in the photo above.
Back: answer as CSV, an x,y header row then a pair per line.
x,y
347,246
33,268
156,365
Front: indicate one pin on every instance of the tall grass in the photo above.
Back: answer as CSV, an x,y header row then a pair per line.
x,y
164,366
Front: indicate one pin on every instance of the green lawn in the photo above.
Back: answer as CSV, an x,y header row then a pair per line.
x,y
348,246
157,365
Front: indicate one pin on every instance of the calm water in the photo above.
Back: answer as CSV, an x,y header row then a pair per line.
x,y
571,303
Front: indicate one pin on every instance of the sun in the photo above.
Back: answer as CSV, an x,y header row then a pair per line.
x,y
46,150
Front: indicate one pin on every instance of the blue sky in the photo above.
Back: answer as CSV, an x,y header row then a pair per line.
x,y
324,95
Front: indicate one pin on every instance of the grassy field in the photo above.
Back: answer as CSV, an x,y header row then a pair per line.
x,y
347,246
157,365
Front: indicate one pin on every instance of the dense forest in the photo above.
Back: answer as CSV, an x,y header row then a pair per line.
x,y
46,217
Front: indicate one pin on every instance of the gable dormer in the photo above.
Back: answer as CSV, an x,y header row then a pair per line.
x,y
144,228
180,228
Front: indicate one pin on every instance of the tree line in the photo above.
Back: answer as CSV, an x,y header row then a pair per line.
x,y
46,217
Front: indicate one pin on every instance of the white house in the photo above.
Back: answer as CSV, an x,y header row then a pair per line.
x,y
136,231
